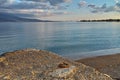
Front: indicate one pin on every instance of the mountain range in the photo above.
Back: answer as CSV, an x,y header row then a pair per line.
x,y
7,17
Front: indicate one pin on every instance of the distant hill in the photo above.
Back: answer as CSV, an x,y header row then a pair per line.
x,y
7,17
102,20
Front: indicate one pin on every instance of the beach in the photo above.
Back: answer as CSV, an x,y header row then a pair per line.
x,y
108,64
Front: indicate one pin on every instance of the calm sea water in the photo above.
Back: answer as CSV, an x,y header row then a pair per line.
x,y
71,39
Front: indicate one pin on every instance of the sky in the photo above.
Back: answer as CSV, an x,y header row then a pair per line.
x,y
62,10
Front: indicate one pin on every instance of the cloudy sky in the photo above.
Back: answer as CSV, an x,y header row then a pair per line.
x,y
62,9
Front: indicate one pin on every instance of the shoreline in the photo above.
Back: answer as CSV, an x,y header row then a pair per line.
x,y
108,64
92,54
32,64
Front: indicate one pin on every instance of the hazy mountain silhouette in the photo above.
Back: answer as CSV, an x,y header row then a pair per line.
x,y
7,17
102,20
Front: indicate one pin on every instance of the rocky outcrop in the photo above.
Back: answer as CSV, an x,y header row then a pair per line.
x,y
32,64
64,72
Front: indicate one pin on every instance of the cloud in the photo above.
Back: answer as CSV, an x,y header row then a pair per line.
x,y
25,5
96,9
104,8
118,5
7,2
82,3
117,1
41,8
31,4
34,13
52,2
91,5
55,2
2,2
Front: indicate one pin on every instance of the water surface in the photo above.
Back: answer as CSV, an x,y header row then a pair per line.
x,y
80,39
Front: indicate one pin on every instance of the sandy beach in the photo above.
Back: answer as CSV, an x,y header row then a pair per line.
x,y
109,64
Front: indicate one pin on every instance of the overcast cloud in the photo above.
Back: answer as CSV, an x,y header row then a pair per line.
x,y
44,8
39,8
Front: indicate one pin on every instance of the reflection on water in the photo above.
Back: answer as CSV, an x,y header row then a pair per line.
x,y
64,38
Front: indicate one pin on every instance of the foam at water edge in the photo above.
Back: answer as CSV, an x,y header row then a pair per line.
x,y
76,56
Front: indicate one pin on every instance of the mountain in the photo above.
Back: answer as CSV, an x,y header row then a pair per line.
x,y
8,17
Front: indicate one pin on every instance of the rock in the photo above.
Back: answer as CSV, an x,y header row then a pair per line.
x,y
63,65
64,72
2,59
6,78
32,64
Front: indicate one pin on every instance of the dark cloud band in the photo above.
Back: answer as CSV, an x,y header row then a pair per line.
x,y
52,2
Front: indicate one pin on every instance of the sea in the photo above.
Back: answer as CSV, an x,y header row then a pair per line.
x,y
69,39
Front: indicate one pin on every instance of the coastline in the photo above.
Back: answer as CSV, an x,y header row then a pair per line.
x,y
32,64
108,64
92,54
37,61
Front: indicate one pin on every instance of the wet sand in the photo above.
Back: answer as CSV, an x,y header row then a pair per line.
x,y
109,64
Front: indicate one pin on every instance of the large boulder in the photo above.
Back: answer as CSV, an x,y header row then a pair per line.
x,y
32,64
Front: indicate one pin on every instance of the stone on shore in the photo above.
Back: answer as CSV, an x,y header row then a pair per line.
x,y
32,64
64,72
